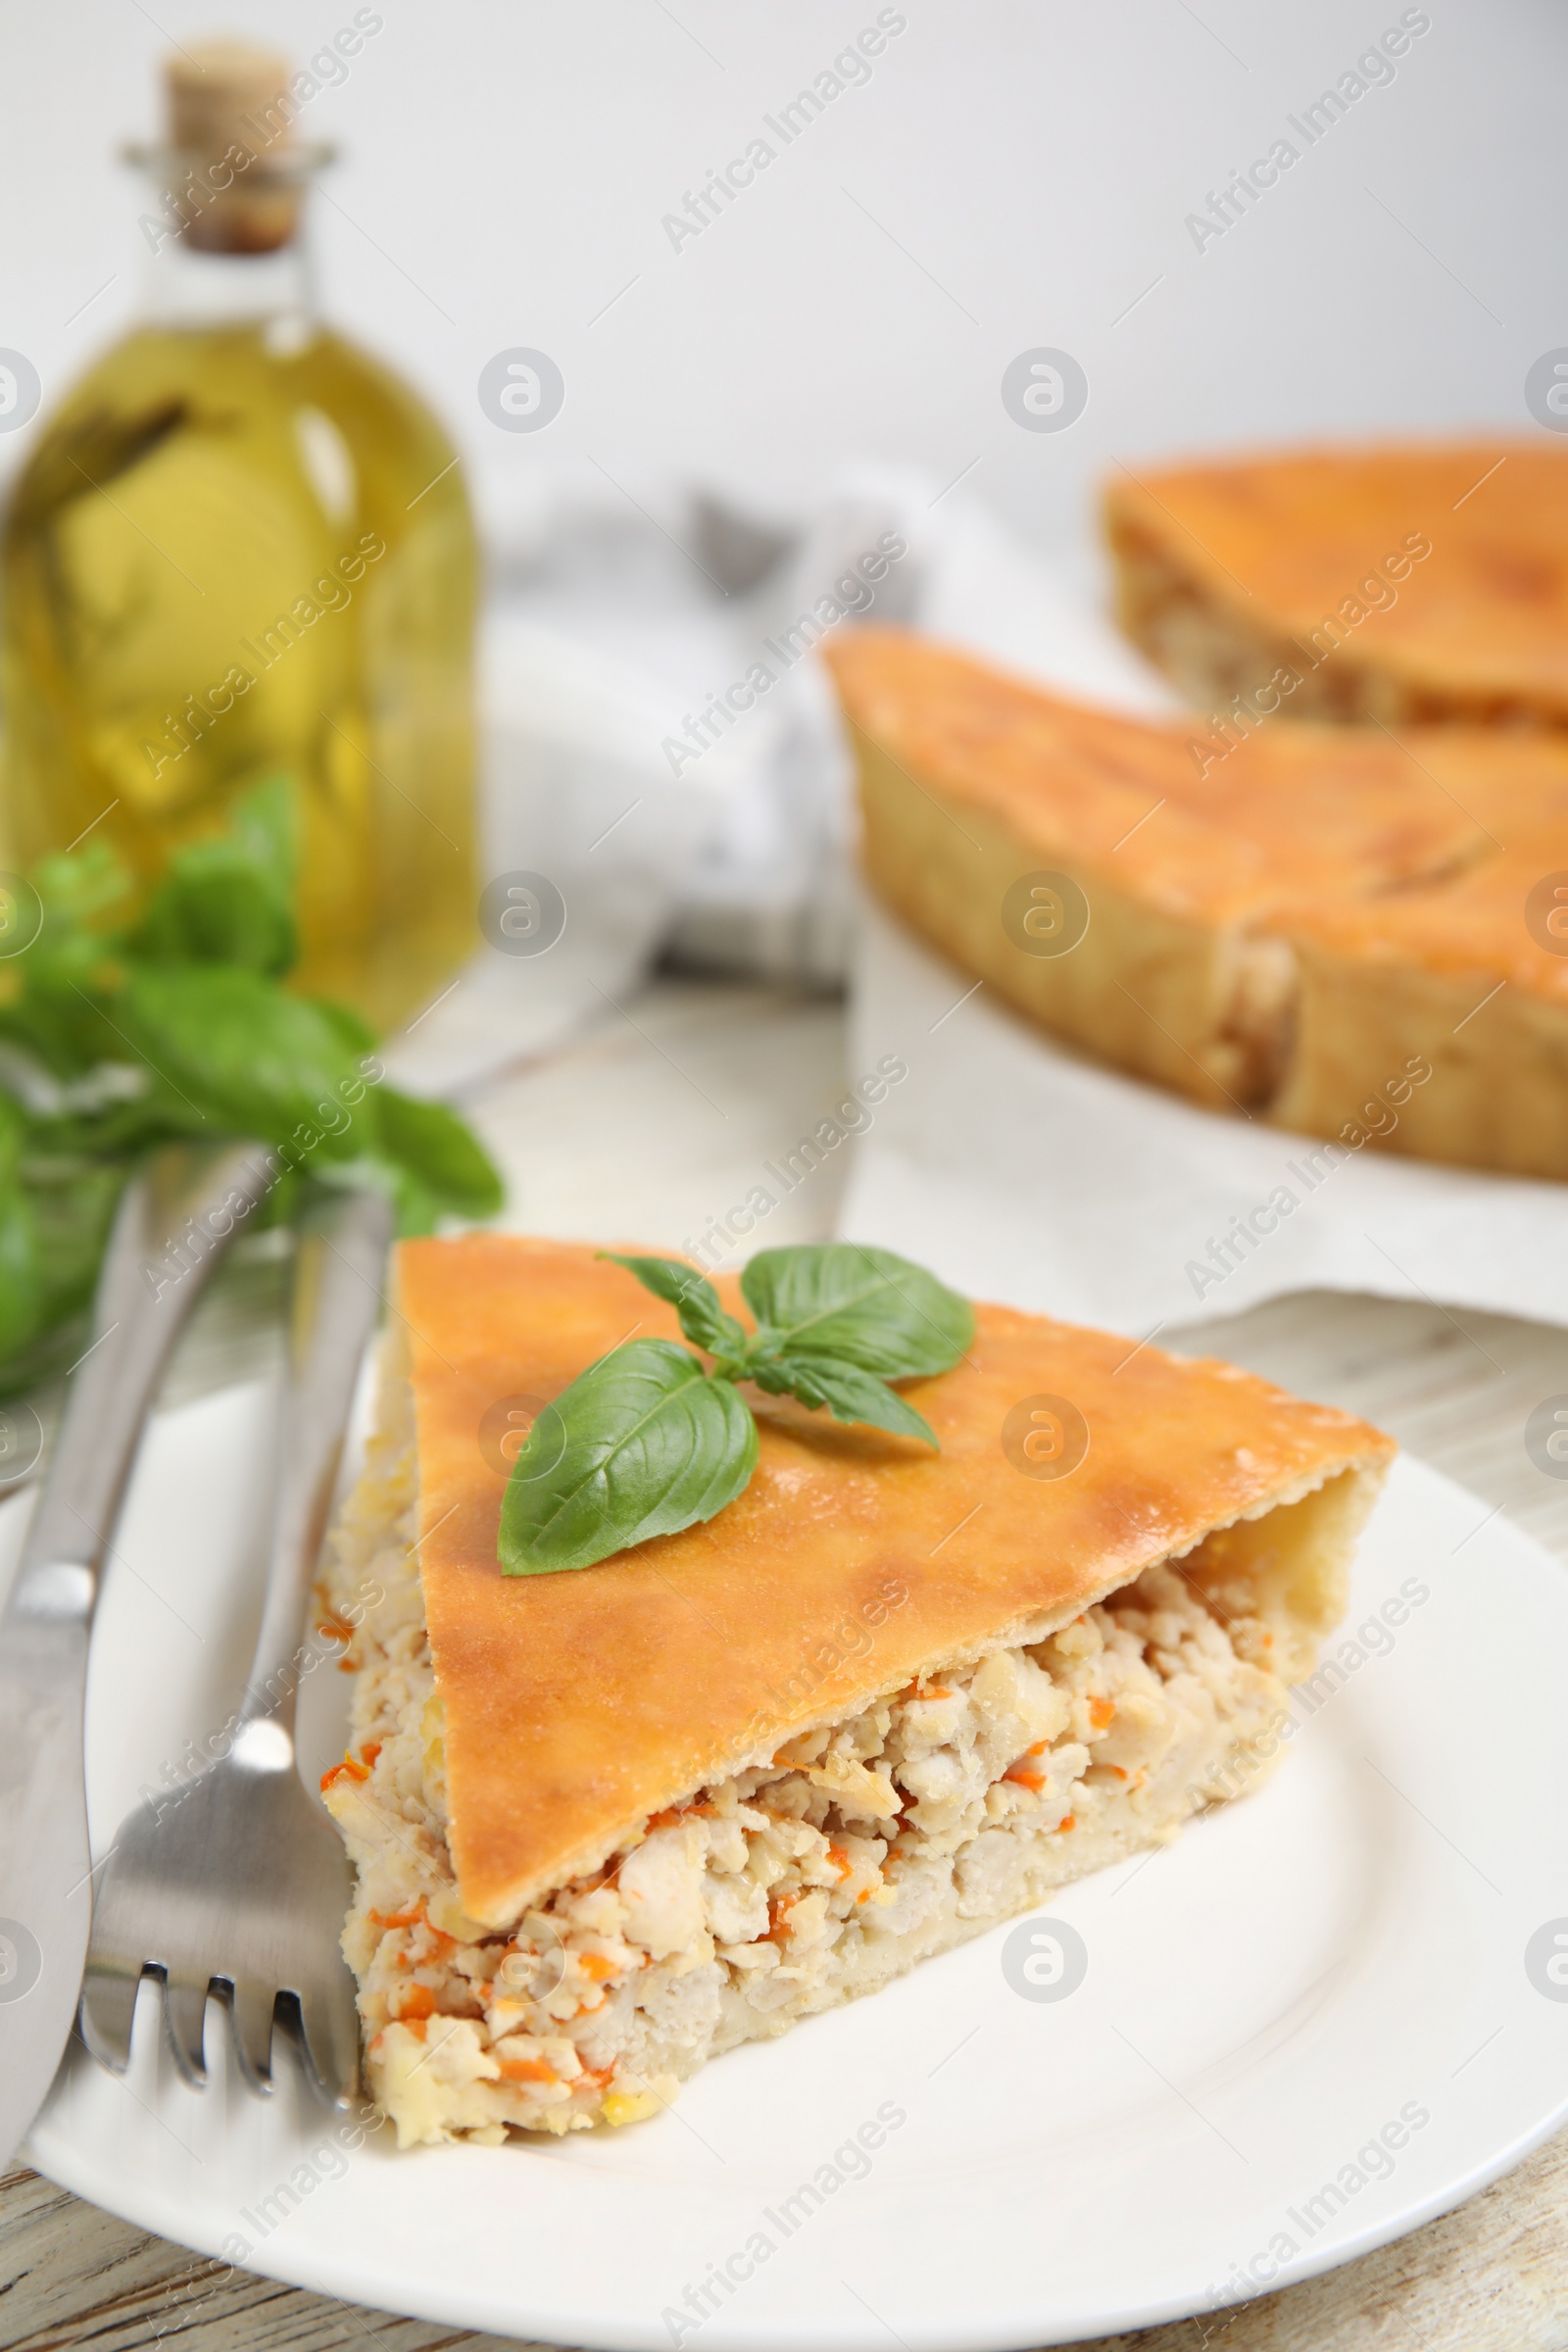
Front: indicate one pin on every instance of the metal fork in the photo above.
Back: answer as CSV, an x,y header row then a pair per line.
x,y
239,1885
175,1220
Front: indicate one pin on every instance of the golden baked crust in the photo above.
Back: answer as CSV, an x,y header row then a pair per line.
x,y
1408,583
1282,930
576,1705
1450,978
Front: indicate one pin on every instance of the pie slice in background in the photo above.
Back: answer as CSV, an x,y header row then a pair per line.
x,y
1290,926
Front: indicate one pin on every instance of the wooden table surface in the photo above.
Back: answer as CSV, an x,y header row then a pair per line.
x,y
647,1123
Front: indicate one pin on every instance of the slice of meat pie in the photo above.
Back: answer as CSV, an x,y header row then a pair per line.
x,y
1406,585
1289,924
610,1822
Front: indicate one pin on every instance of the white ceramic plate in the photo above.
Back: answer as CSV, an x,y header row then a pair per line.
x,y
1303,2028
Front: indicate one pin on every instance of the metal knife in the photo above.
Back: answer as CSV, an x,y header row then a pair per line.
x,y
174,1222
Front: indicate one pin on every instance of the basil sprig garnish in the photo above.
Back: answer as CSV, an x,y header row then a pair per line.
x,y
648,1439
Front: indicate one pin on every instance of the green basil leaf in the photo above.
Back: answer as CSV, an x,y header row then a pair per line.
x,y
432,1145
417,1210
217,909
81,890
15,1134
160,1015
72,1210
357,1035
67,973
702,1318
642,1444
22,1284
265,822
859,1306
24,1274
849,1393
230,899
232,1050
63,1025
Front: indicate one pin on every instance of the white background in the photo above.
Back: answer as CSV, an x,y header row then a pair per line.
x,y
1024,169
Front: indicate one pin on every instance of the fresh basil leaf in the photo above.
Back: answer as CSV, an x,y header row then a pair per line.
x,y
859,1306
227,1049
230,899
642,1444
117,1128
80,889
63,1025
22,1268
72,1210
62,982
417,1210
693,1297
14,1136
137,1028
849,1393
20,1275
265,822
432,1145
216,907
357,1037
53,1228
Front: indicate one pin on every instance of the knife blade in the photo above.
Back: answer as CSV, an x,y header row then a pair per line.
x,y
174,1222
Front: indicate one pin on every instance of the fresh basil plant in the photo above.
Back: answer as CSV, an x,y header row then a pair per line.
x,y
648,1439
132,1017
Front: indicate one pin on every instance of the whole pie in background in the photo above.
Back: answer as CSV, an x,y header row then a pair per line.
x,y
1407,584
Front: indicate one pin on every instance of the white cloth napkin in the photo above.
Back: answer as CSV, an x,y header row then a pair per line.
x,y
660,744
574,789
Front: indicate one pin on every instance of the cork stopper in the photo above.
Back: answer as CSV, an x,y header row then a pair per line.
x,y
230,113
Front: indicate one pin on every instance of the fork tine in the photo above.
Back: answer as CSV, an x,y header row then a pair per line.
x,y
251,2005
239,1882
329,2036
108,2013
184,2014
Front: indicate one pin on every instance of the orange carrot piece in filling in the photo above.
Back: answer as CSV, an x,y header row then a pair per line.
x,y
526,2070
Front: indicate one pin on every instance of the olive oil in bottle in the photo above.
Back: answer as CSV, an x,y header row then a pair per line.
x,y
241,550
